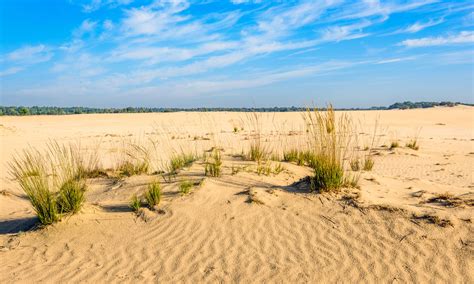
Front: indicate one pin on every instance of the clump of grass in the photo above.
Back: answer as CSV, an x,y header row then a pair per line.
x,y
264,169
135,203
291,155
129,168
413,144
267,169
328,174
71,196
213,163
53,180
394,145
278,169
185,187
137,160
181,161
153,194
257,152
329,140
368,163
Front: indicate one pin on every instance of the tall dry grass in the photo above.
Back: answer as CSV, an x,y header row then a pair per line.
x,y
329,144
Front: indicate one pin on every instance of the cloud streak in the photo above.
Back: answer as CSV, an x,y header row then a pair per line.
x,y
463,37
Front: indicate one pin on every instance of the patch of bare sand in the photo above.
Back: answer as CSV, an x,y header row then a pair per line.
x,y
248,228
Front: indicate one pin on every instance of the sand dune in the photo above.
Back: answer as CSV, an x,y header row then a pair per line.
x,y
217,234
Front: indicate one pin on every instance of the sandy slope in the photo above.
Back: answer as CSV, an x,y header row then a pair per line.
x,y
214,234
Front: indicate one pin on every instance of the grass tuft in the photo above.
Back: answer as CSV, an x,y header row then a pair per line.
x,y
135,203
413,144
71,196
53,180
368,163
329,140
394,145
181,161
213,163
185,187
153,194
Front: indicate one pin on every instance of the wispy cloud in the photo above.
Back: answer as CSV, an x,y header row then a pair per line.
x,y
30,55
10,71
460,38
94,5
418,26
87,26
395,60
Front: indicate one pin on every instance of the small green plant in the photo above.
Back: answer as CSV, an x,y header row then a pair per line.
x,y
71,196
185,187
278,169
181,161
135,203
213,163
368,163
128,168
394,145
263,169
236,129
153,194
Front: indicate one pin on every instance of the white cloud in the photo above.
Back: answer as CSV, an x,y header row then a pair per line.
x,y
95,5
418,26
87,26
395,60
462,37
10,71
347,32
30,55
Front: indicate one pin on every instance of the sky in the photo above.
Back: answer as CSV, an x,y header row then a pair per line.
x,y
210,53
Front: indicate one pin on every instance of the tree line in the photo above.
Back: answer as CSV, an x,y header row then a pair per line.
x,y
45,110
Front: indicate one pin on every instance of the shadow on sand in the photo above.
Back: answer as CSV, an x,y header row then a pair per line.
x,y
18,225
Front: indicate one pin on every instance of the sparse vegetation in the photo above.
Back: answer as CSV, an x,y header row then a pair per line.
x,y
185,187
137,160
413,144
135,203
355,165
213,163
329,140
368,163
71,196
394,145
153,194
53,180
181,161
433,219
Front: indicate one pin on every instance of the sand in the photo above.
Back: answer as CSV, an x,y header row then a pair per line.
x,y
215,234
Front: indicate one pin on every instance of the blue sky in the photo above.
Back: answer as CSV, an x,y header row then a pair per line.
x,y
116,53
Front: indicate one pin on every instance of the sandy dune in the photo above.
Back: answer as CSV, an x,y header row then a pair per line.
x,y
216,234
